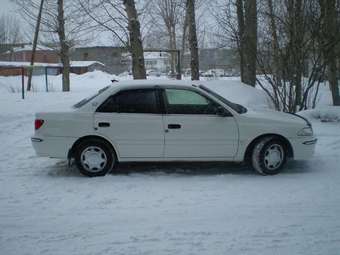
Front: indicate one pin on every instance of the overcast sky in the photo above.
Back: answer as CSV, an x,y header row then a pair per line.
x,y
7,6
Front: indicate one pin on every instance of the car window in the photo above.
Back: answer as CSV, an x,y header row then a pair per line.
x,y
88,99
236,107
181,101
131,101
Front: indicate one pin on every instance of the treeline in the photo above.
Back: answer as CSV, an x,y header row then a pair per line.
x,y
288,47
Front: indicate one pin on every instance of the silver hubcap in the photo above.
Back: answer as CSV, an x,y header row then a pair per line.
x,y
273,157
93,159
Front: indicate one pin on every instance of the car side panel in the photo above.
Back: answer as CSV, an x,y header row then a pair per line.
x,y
59,132
251,128
201,136
135,135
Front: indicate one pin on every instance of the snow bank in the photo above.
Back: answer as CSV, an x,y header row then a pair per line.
x,y
240,93
84,82
231,89
323,114
46,208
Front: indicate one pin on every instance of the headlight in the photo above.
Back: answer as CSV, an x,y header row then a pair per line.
x,y
307,131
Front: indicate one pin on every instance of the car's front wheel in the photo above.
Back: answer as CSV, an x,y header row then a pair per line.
x,y
269,156
94,157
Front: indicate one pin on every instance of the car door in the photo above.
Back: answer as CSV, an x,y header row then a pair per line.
x,y
194,129
131,119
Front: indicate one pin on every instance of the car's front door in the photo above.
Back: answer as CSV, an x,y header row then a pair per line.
x,y
194,129
133,122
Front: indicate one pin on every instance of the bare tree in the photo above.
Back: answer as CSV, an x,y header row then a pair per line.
x,y
136,46
35,42
170,12
108,16
63,26
277,76
330,41
247,30
290,53
193,44
120,17
9,30
64,46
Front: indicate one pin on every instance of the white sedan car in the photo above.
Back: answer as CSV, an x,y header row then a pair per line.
x,y
139,121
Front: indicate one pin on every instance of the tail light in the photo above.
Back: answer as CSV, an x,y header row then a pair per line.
x,y
38,123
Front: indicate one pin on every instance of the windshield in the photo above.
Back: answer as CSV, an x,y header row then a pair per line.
x,y
236,107
88,99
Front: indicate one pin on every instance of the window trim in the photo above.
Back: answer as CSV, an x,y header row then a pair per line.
x,y
155,90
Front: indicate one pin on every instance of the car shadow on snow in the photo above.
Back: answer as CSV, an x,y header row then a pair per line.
x,y
298,167
185,168
182,168
62,169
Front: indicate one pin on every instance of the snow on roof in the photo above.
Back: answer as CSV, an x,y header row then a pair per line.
x,y
85,63
27,64
159,82
28,47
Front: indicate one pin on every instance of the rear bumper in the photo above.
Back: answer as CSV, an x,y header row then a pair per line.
x,y
54,147
303,148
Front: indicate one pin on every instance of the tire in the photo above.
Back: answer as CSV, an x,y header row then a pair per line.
x,y
269,156
94,157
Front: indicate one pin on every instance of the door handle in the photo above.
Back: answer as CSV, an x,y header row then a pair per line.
x,y
103,124
174,126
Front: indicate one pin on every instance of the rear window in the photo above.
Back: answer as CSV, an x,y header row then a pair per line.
x,y
132,101
90,98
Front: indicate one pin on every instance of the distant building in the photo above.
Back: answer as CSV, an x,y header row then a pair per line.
x,y
46,59
115,59
156,61
4,47
12,68
23,53
215,58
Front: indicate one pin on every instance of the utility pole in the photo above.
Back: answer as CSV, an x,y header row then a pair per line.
x,y
35,40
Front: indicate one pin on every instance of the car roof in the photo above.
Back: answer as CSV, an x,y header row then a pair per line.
x,y
130,84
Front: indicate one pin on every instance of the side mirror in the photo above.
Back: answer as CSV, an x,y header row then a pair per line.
x,y
220,111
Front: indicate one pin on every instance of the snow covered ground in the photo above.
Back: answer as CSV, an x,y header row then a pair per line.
x,y
46,208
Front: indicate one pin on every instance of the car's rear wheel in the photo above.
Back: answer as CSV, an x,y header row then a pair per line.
x,y
94,157
269,156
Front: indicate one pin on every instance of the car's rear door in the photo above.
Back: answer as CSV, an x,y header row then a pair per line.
x,y
132,120
195,130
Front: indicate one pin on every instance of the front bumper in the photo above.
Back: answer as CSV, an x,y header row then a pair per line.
x,y
303,148
54,147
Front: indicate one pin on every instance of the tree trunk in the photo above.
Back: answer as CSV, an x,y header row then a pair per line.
x,y
275,45
298,58
64,47
328,13
193,44
172,43
184,38
247,29
276,70
240,22
35,42
136,46
250,42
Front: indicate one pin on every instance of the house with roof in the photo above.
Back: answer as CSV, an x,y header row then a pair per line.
x,y
115,59
23,53
12,68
